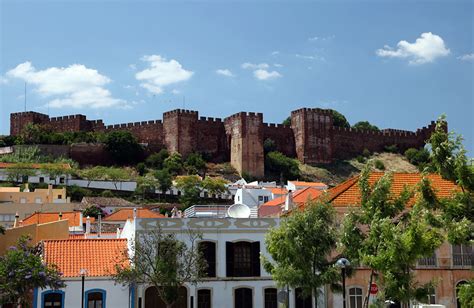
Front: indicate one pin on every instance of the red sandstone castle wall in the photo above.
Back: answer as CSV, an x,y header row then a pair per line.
x,y
150,132
283,137
18,120
246,142
180,131
212,139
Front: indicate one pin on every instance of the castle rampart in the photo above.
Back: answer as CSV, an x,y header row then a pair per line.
x,y
239,138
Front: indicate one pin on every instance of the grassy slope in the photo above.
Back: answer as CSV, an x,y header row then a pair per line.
x,y
338,172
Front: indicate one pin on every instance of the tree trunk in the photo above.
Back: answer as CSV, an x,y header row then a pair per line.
x,y
367,297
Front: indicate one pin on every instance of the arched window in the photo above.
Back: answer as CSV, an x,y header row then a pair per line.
x,y
153,299
95,298
302,301
52,299
270,298
463,255
355,297
243,298
208,250
243,259
204,298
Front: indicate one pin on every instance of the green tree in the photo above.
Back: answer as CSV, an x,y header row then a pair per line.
x,y
77,193
339,120
18,172
269,146
161,260
174,164
141,169
22,270
191,187
365,125
92,174
418,157
93,211
300,249
123,147
279,165
466,294
195,164
156,160
34,134
383,236
116,175
54,171
214,186
287,121
164,180
146,186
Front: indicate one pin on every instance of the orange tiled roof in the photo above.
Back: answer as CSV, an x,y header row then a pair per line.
x,y
73,218
124,214
97,256
303,195
348,194
277,190
34,166
308,184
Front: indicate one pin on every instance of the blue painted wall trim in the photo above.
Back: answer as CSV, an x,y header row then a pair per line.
x,y
35,298
104,296
132,286
52,291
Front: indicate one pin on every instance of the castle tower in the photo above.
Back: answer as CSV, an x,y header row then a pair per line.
x,y
246,142
180,131
19,120
312,128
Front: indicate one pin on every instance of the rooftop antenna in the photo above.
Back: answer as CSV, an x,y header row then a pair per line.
x,y
25,96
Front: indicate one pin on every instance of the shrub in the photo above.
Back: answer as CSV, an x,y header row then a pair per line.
x,y
366,153
107,194
365,125
278,164
77,193
123,147
93,211
361,159
194,163
141,168
379,164
391,148
269,146
417,157
174,164
156,160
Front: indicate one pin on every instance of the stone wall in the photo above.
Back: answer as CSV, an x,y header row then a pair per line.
x,y
311,138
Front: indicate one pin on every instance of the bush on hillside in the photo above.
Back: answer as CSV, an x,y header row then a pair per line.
x,y
391,148
156,160
379,164
277,164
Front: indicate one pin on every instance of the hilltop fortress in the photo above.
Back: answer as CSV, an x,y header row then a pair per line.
x,y
239,138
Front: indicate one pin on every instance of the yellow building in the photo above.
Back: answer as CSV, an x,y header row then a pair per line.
x,y
38,196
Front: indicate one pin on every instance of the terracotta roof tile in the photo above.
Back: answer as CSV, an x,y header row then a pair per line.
x,y
277,190
97,256
308,184
73,218
348,194
124,214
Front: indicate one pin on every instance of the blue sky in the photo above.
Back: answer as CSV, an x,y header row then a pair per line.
x,y
395,64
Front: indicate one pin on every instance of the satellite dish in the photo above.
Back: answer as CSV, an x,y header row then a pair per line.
x,y
238,210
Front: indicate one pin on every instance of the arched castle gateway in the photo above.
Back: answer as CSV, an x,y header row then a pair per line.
x,y
239,138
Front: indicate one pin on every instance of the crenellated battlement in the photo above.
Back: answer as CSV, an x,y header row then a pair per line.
x,y
311,137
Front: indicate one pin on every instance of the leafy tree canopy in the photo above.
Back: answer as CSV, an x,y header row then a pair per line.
x,y
174,164
156,160
195,164
339,120
365,125
287,121
191,187
22,270
279,165
301,247
164,179
123,147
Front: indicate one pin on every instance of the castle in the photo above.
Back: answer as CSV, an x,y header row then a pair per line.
x,y
239,138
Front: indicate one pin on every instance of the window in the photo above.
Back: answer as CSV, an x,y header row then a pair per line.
x,y
265,199
60,196
38,200
431,296
61,180
41,179
243,298
301,301
463,255
204,298
355,298
53,299
95,298
7,217
428,261
208,250
270,298
260,198
22,200
243,259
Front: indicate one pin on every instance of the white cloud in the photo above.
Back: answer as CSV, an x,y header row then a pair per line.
x,y
262,74
254,66
74,86
225,72
275,53
132,66
321,38
3,80
161,73
277,65
310,57
175,92
427,48
467,57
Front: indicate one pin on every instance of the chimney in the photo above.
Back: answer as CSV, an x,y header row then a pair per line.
x,y
88,225
27,188
134,213
50,193
289,201
60,215
100,225
15,224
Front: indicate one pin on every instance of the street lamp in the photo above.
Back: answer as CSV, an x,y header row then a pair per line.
x,y
343,263
83,273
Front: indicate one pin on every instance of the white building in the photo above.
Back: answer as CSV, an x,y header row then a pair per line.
x,y
232,248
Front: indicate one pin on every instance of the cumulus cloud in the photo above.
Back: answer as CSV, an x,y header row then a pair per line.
x,y
275,53
277,65
254,66
74,86
321,38
161,73
225,72
427,48
3,80
262,74
467,57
